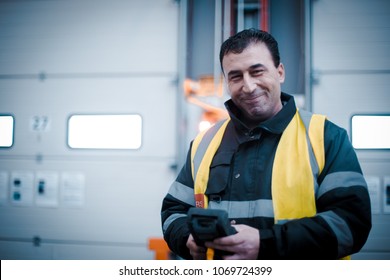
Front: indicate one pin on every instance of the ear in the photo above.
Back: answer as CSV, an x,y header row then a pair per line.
x,y
281,73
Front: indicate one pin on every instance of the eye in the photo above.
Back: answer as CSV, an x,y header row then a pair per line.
x,y
257,72
235,78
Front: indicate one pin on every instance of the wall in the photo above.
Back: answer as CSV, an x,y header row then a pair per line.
x,y
350,71
59,58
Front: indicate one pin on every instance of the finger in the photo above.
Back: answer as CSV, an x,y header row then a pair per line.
x,y
231,257
199,253
230,240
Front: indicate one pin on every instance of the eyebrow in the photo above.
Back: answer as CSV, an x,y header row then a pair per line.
x,y
254,66
258,65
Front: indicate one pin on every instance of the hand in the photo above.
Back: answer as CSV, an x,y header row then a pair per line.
x,y
197,252
244,245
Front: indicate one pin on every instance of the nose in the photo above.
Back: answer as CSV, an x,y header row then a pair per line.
x,y
249,84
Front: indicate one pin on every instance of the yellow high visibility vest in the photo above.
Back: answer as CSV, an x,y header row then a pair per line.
x,y
299,159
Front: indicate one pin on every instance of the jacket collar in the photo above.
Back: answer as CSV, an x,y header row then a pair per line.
x,y
276,124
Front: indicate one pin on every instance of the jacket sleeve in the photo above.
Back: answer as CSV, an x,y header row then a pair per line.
x,y
175,205
343,219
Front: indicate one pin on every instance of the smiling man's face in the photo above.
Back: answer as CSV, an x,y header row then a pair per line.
x,y
254,82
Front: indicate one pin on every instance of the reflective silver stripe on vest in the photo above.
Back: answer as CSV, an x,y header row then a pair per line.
x,y
171,219
245,209
306,118
204,144
341,230
341,179
182,192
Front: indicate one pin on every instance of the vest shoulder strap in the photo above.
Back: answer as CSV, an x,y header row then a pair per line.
x,y
204,147
315,125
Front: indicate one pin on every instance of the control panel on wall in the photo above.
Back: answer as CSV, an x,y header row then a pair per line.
x,y
42,188
379,194
386,194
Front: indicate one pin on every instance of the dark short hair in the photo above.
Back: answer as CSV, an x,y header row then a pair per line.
x,y
240,41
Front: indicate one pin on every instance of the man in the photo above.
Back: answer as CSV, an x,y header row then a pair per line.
x,y
287,196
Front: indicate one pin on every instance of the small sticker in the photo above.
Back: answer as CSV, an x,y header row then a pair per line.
x,y
72,189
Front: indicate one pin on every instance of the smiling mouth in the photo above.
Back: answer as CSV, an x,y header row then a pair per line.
x,y
253,98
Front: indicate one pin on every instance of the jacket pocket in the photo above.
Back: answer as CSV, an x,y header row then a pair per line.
x,y
219,173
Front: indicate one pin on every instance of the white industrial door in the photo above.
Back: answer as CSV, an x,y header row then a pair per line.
x,y
61,58
351,75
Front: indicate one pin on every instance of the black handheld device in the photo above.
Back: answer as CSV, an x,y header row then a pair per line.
x,y
208,224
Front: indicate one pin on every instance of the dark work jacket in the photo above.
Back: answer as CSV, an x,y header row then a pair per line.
x,y
241,172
